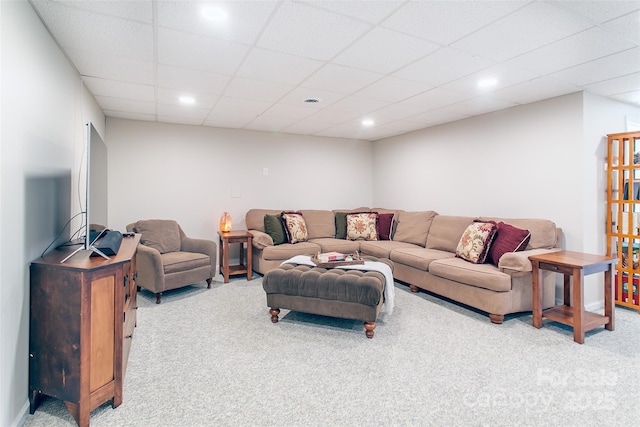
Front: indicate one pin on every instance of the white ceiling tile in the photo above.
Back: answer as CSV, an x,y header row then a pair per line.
x,y
277,67
130,116
126,105
354,106
257,90
181,120
432,99
616,65
526,29
534,90
503,74
443,66
393,89
479,105
235,112
436,117
172,97
368,10
189,79
575,50
336,78
599,11
245,18
78,29
400,50
190,112
307,31
139,10
616,86
114,88
323,119
444,22
98,64
627,26
200,52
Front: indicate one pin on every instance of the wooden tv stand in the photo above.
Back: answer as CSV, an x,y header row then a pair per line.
x,y
83,315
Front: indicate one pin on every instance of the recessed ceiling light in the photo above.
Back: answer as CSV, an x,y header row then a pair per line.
x,y
368,122
487,82
187,100
214,14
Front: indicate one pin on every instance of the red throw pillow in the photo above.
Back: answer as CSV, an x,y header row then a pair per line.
x,y
507,239
385,222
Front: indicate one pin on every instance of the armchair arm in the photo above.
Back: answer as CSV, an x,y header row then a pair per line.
x,y
519,261
150,269
202,246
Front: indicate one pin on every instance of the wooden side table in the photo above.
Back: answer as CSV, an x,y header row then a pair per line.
x,y
574,266
227,237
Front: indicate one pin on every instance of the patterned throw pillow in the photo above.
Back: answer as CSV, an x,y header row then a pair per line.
x,y
295,227
508,239
362,225
475,241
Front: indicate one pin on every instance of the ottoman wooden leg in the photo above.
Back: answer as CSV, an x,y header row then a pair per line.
x,y
369,327
274,314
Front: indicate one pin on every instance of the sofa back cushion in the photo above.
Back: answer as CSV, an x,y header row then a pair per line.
x,y
160,234
255,218
413,227
320,223
543,232
446,230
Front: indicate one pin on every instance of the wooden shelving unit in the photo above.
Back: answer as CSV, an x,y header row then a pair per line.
x,y
623,214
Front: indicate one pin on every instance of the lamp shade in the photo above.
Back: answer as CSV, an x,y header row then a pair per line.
x,y
225,222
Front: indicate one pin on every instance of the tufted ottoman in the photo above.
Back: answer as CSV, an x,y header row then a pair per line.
x,y
335,292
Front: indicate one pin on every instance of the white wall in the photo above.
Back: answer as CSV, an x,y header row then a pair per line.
x,y
192,174
44,106
542,160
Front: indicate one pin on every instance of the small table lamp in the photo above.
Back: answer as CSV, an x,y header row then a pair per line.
x,y
225,222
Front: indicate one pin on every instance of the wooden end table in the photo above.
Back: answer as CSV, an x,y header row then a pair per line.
x,y
574,266
227,237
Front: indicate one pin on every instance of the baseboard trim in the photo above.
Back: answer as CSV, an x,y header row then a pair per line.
x,y
21,418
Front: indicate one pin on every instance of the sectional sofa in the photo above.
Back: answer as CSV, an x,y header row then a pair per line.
x,y
423,247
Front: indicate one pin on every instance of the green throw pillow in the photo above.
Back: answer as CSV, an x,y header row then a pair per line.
x,y
274,228
341,225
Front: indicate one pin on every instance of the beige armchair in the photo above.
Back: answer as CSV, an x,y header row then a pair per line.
x,y
168,259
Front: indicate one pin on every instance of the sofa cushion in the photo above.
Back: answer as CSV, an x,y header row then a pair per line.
x,y
418,257
160,234
273,227
320,223
329,244
446,230
255,218
288,250
382,248
362,225
413,227
544,233
485,276
295,226
175,262
385,225
507,239
341,225
475,241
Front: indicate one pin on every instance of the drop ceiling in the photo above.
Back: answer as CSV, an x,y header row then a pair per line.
x,y
405,65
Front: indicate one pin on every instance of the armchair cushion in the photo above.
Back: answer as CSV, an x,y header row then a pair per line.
x,y
182,261
160,234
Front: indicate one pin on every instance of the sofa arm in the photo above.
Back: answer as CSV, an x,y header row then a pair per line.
x,y
201,246
261,240
519,261
150,269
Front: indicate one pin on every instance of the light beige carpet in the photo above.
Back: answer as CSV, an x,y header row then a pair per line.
x,y
213,358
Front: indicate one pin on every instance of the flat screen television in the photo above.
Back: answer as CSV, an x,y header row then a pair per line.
x,y
96,199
